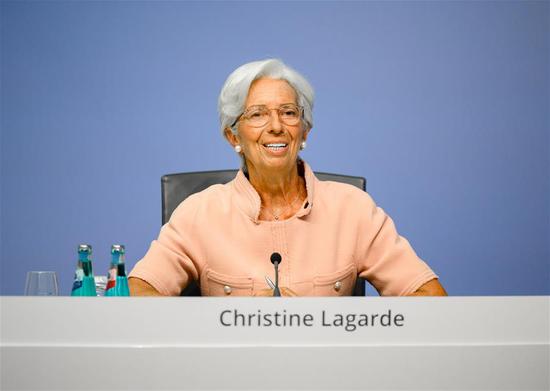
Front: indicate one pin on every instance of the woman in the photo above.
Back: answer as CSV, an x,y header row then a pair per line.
x,y
327,233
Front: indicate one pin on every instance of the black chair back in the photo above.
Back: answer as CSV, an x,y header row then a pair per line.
x,y
177,187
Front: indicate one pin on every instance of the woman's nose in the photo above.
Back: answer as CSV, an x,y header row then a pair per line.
x,y
276,125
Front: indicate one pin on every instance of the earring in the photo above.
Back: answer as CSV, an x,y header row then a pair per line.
x,y
238,148
303,146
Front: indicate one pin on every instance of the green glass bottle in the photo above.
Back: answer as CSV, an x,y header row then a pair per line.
x,y
84,284
117,284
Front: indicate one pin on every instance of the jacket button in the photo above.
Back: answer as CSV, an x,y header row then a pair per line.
x,y
337,286
227,289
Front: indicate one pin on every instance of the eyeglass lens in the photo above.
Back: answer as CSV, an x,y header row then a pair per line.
x,y
260,115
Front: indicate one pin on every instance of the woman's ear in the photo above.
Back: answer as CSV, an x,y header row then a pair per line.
x,y
306,132
230,136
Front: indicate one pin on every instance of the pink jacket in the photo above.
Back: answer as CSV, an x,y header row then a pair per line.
x,y
215,237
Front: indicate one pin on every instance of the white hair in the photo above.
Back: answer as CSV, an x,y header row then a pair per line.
x,y
235,90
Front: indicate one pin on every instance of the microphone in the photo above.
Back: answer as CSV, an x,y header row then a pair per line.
x,y
275,260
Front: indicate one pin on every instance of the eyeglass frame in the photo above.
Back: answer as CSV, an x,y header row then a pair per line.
x,y
300,109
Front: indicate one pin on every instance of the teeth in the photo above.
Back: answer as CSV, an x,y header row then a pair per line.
x,y
279,145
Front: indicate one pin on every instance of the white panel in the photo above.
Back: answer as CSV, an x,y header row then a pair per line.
x,y
470,343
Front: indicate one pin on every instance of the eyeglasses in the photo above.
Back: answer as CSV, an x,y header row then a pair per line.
x,y
258,116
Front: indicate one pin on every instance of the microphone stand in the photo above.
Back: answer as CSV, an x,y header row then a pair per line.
x,y
275,260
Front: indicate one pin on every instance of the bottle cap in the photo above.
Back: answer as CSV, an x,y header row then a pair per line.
x,y
117,248
85,248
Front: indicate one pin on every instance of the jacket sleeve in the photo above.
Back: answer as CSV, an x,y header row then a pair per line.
x,y
168,264
384,258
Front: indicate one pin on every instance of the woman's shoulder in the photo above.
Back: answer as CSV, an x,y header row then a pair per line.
x,y
209,199
338,191
343,202
217,191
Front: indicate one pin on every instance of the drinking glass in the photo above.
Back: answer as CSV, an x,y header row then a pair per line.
x,y
100,285
41,283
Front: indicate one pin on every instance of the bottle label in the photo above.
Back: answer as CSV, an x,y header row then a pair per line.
x,y
111,282
77,283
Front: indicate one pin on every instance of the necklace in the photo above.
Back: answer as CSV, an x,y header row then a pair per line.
x,y
276,215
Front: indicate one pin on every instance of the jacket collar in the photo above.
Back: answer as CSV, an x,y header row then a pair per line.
x,y
249,201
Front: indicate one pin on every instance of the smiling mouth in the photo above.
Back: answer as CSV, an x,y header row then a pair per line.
x,y
275,147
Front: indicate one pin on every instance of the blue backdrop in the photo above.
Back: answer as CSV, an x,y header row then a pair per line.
x,y
443,106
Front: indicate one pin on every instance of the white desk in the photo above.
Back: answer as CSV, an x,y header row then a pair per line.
x,y
458,343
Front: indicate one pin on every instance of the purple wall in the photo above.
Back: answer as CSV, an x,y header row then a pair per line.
x,y
443,106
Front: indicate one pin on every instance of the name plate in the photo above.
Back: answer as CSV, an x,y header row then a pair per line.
x,y
275,343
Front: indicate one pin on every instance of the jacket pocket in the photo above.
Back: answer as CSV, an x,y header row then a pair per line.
x,y
218,284
339,283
